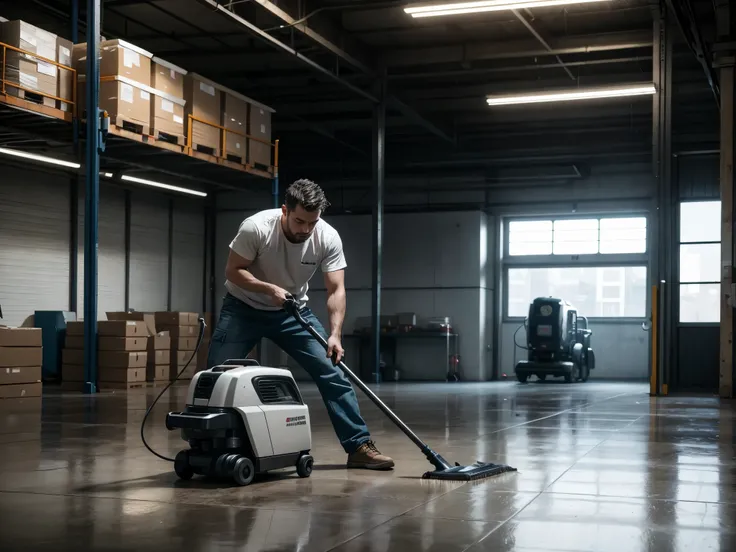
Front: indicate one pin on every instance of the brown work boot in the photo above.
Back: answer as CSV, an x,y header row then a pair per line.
x,y
370,458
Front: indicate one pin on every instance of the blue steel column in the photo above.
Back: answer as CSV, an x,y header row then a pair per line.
x,y
92,188
379,147
74,186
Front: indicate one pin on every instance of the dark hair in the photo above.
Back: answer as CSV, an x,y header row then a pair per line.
x,y
307,194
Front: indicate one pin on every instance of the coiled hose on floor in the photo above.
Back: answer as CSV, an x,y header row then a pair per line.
x,y
202,326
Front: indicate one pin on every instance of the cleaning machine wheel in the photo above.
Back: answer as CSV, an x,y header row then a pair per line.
x,y
181,465
304,466
522,377
244,471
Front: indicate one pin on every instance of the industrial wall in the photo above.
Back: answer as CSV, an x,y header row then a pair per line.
x,y
434,265
35,247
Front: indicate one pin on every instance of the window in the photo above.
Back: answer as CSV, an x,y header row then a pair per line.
x,y
613,292
578,236
700,261
530,237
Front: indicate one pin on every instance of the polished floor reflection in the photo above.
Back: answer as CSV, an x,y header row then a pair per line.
x,y
601,468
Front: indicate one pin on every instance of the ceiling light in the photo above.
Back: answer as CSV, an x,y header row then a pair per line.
x,y
573,95
458,8
161,185
107,175
40,158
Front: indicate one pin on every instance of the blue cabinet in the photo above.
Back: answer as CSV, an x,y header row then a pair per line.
x,y
53,327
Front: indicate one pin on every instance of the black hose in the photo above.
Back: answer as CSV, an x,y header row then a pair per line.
x,y
202,326
517,331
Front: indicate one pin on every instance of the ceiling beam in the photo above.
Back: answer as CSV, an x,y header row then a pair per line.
x,y
365,66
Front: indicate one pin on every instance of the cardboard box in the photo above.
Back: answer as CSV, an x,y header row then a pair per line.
x,y
122,328
72,356
72,372
122,359
29,72
159,342
22,390
167,77
124,100
203,101
259,128
184,344
180,358
117,375
15,357
158,372
65,80
235,118
181,331
159,358
20,374
177,319
117,58
167,115
148,317
122,344
74,342
75,328
20,337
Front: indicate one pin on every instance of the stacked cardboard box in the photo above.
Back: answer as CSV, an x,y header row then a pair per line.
x,y
203,102
167,105
65,81
34,76
259,128
183,327
21,357
235,118
125,87
159,358
122,363
72,357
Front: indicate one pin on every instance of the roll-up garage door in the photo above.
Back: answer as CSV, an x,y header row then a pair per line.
x,y
110,253
149,251
34,243
188,257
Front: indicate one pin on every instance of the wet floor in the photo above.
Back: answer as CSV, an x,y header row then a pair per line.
x,y
601,468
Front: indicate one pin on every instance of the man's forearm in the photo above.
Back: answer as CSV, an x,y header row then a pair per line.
x,y
244,279
336,302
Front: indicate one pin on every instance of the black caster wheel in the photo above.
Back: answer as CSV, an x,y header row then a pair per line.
x,y
181,465
304,466
522,378
244,471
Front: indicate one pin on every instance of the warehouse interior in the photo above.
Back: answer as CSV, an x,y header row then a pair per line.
x,y
461,191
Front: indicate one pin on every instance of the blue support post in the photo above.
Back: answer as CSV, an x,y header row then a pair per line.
x,y
275,191
92,164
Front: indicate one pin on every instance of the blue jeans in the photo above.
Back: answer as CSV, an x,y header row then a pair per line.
x,y
241,327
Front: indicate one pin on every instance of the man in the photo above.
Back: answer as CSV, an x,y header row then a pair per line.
x,y
275,253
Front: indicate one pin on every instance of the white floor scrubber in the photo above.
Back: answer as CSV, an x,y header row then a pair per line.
x,y
241,419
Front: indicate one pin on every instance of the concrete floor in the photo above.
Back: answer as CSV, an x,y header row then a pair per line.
x,y
602,468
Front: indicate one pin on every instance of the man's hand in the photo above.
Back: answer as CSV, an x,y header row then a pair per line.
x,y
334,347
278,295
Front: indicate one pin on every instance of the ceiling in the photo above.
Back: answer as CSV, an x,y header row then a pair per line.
x,y
325,63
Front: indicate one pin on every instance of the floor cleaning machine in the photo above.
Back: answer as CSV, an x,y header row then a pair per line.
x,y
558,342
233,408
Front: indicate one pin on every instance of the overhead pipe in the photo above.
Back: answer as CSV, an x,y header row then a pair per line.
x,y
289,50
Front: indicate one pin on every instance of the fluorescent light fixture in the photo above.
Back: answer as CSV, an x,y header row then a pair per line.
x,y
573,95
458,8
40,158
107,175
161,185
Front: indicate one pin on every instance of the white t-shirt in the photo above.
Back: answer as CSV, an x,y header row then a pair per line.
x,y
278,261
